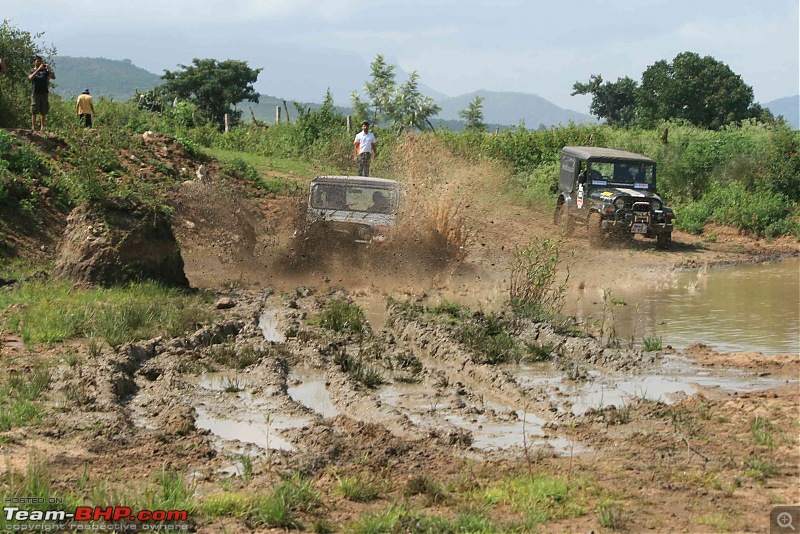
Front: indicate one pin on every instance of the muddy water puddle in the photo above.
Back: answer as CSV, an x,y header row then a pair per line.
x,y
732,309
229,407
308,387
492,426
668,383
268,322
258,428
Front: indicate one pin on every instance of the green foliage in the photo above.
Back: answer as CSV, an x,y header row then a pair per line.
x,y
214,87
18,48
763,212
20,168
473,115
534,290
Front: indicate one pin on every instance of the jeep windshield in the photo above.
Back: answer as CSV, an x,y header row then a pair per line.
x,y
638,175
364,198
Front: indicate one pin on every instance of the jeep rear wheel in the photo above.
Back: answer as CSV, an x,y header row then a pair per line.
x,y
562,219
664,240
597,236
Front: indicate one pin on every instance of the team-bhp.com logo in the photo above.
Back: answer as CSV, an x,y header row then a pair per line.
x,y
111,518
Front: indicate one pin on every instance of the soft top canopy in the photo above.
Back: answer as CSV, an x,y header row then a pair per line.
x,y
590,153
356,180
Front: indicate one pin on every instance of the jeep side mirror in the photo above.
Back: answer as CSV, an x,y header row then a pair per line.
x,y
582,178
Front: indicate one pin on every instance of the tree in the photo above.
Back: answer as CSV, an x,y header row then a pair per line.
x,y
615,102
18,48
214,87
700,90
473,115
403,106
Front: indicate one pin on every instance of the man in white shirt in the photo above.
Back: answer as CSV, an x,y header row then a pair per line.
x,y
365,145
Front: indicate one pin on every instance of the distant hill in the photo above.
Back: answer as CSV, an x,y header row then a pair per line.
x,y
509,108
114,79
789,107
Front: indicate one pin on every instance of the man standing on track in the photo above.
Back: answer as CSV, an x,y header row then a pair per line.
x,y
365,145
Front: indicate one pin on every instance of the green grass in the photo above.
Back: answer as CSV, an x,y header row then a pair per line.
x,y
54,311
759,469
539,498
275,509
357,489
300,169
717,521
342,316
762,431
18,395
488,337
652,343
611,515
226,504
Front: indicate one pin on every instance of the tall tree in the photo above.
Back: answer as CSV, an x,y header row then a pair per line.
x,y
17,48
214,87
700,90
473,115
613,101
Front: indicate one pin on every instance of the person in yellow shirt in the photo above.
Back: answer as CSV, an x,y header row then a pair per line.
x,y
85,108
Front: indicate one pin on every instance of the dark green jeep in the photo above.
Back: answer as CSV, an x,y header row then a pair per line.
x,y
612,192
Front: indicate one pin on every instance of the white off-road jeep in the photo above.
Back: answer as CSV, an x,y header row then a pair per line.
x,y
352,209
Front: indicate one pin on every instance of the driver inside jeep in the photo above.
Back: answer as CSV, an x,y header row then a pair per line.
x,y
380,204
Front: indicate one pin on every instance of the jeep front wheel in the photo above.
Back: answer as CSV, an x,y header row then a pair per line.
x,y
664,240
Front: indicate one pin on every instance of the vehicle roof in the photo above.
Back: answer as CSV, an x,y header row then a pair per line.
x,y
590,153
356,180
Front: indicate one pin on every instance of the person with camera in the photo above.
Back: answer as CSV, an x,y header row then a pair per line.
x,y
40,78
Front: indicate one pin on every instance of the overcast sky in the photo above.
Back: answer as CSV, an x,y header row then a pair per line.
x,y
456,46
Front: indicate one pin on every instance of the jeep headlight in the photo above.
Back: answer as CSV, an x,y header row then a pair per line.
x,y
619,203
655,204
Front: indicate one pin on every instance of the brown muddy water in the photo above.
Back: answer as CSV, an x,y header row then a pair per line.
x,y
740,308
732,309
